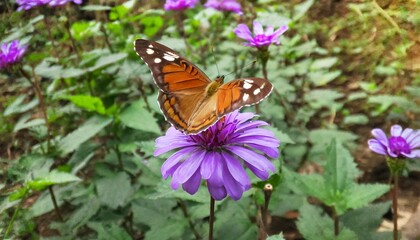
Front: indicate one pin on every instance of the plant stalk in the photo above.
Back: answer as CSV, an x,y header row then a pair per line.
x,y
181,204
211,219
395,206
57,210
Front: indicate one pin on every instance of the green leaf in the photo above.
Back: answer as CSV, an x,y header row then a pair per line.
x,y
299,10
283,137
323,63
18,106
356,119
323,98
138,117
314,226
109,231
320,78
152,24
386,101
23,123
361,195
107,60
340,169
96,8
324,136
114,191
88,103
89,129
366,221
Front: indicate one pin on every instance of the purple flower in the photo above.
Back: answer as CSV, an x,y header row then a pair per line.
x,y
218,155
260,38
62,2
11,53
179,4
28,4
224,5
401,144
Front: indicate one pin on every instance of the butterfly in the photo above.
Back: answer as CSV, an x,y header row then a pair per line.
x,y
189,100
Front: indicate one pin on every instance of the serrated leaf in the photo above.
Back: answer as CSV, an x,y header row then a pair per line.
x,y
163,190
169,230
88,103
361,195
366,221
89,129
283,137
138,117
314,226
114,191
340,169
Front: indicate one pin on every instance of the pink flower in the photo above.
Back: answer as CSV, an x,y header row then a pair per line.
x,y
224,5
178,5
260,38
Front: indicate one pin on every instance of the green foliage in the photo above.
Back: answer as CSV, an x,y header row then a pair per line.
x,y
340,71
336,187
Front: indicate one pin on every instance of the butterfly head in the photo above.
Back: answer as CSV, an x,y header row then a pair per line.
x,y
214,85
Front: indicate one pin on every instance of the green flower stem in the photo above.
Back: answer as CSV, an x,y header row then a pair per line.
x,y
395,206
396,166
19,206
211,219
263,55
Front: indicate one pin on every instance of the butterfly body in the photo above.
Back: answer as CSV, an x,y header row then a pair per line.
x,y
189,100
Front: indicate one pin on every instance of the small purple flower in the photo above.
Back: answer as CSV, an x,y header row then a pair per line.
x,y
28,4
11,53
179,4
260,38
62,2
218,155
401,144
224,5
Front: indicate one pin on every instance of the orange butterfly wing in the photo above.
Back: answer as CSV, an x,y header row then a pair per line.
x,y
184,96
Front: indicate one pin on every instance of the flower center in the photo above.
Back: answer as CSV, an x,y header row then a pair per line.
x,y
216,136
399,145
261,38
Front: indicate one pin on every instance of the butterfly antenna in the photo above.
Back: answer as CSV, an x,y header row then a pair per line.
x,y
215,61
253,62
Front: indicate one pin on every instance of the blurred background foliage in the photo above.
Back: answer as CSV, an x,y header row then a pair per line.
x,y
343,68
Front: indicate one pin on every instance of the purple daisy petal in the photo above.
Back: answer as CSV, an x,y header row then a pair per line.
x,y
396,130
263,175
188,167
234,189
193,183
253,158
413,154
236,170
217,192
258,29
11,53
413,139
377,147
208,166
380,135
242,31
268,150
175,158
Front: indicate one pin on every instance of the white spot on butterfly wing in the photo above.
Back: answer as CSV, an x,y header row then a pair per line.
x,y
247,85
157,60
150,46
249,80
256,91
262,86
149,51
169,58
245,97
